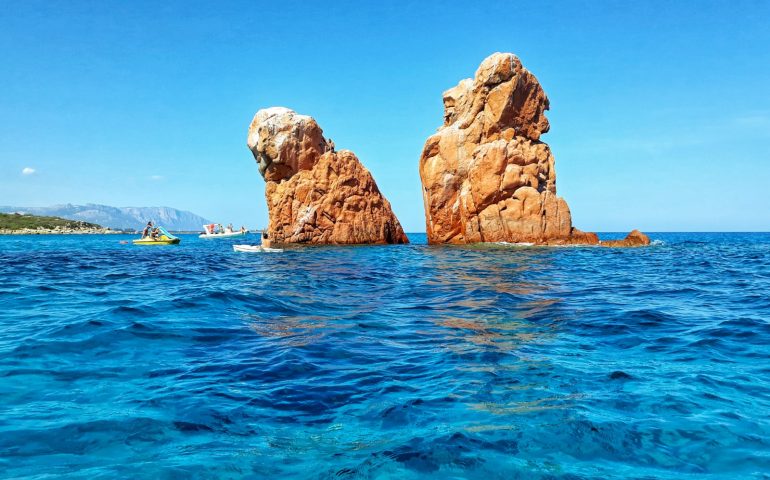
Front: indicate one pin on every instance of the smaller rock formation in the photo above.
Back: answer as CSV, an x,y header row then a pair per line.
x,y
486,175
315,195
633,239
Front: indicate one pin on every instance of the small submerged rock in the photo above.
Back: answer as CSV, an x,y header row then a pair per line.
x,y
620,375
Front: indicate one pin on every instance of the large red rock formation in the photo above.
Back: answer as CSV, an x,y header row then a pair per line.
x,y
315,195
486,175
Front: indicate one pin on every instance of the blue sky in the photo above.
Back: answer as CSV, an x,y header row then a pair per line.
x,y
660,111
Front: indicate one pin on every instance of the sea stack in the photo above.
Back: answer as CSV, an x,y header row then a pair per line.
x,y
314,194
486,175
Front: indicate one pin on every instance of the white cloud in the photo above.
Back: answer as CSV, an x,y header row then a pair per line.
x,y
156,177
27,171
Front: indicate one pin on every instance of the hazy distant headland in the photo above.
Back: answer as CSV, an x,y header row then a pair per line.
x,y
118,218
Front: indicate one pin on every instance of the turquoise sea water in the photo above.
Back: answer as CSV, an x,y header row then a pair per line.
x,y
192,361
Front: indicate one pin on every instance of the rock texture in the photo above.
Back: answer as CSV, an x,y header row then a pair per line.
x,y
315,195
486,175
633,239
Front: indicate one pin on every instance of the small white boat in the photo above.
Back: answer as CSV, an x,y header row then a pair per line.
x,y
256,249
211,231
222,235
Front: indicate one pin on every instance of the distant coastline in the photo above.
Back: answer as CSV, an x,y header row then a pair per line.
x,y
117,218
20,224
59,231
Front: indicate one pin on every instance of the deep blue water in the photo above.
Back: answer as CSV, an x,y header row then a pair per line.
x,y
192,361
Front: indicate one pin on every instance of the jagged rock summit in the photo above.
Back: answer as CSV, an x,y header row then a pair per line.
x,y
486,175
314,194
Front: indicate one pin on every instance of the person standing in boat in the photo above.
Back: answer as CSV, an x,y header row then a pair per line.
x,y
146,231
265,239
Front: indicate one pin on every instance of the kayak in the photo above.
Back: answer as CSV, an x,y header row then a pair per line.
x,y
256,249
221,235
164,238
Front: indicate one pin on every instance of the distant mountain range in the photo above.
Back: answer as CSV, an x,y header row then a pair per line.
x,y
123,218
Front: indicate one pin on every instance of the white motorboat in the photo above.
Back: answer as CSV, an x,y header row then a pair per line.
x,y
256,249
211,231
222,235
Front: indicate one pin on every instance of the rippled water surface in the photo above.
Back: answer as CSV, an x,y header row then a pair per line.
x,y
192,361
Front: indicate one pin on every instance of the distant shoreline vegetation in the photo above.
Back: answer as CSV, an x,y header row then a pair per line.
x,y
20,224
117,218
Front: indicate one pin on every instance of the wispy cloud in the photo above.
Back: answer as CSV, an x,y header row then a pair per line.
x,y
753,120
702,134
27,171
157,178
649,145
